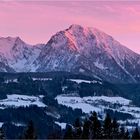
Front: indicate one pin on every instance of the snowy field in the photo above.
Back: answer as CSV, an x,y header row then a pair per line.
x,y
94,103
78,81
15,100
100,103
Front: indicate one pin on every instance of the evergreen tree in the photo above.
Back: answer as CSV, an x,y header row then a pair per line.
x,y
99,134
92,129
1,80
68,132
2,136
55,135
86,128
30,131
78,130
115,129
122,133
96,131
107,127
127,135
136,134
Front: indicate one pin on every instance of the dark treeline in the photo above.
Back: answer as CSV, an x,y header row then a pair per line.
x,y
44,124
90,128
27,86
58,74
93,128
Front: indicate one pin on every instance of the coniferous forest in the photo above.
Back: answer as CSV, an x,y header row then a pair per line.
x,y
89,128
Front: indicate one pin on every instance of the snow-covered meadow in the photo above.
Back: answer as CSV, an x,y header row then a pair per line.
x,y
16,100
91,103
100,104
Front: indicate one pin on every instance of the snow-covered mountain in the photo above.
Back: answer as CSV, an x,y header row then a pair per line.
x,y
89,51
77,49
16,55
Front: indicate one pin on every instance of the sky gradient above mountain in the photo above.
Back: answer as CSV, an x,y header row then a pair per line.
x,y
36,21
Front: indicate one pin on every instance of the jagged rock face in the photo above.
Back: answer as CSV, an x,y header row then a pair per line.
x,y
77,49
17,55
89,51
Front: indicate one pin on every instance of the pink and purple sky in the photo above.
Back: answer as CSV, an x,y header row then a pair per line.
x,y
36,21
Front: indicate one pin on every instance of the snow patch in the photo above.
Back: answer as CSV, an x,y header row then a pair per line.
x,y
18,124
100,66
62,125
42,79
1,123
85,81
81,70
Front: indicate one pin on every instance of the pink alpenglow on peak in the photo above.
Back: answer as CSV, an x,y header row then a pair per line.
x,y
77,49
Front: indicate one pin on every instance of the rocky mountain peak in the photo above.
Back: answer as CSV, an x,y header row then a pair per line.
x,y
77,49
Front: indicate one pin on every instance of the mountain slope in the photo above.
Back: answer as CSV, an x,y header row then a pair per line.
x,y
17,55
89,51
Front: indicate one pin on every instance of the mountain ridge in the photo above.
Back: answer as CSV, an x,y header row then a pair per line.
x,y
79,49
